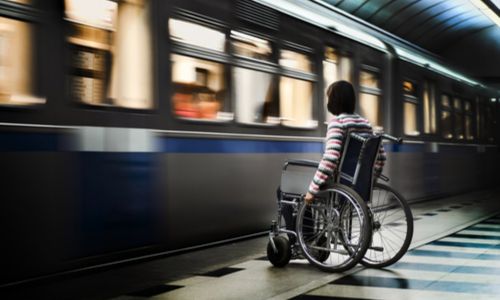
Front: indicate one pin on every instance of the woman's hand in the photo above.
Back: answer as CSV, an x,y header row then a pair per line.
x,y
309,198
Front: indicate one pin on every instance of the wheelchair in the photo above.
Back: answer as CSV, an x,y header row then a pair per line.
x,y
355,219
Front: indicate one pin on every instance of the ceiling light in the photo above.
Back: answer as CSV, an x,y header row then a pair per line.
x,y
487,11
323,19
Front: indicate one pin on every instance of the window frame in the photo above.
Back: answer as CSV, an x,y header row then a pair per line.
x,y
153,104
212,56
31,15
311,77
415,99
490,121
469,113
341,52
450,110
378,92
431,85
271,67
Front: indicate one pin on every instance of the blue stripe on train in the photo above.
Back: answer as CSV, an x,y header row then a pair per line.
x,y
37,141
197,145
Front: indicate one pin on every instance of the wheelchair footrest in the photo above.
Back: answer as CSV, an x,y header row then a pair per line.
x,y
376,248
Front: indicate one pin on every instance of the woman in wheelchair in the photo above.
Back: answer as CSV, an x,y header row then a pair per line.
x,y
341,103
345,217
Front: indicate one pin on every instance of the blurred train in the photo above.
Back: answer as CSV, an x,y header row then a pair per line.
x,y
136,128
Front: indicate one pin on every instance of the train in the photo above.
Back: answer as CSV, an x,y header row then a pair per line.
x,y
139,128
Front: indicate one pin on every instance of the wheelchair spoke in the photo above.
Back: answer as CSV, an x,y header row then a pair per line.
x,y
332,231
392,227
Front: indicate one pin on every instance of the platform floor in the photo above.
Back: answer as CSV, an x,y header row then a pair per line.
x,y
455,254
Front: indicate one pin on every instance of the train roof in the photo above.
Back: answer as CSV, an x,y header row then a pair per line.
x,y
323,15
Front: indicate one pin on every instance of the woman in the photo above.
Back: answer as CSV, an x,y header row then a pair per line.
x,y
341,103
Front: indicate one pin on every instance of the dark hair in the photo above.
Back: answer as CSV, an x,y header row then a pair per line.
x,y
341,98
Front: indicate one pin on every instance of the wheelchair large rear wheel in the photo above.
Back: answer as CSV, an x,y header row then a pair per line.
x,y
392,227
334,232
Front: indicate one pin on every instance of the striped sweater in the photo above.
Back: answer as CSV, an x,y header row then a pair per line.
x,y
337,129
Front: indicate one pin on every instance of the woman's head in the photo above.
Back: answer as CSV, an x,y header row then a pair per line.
x,y
341,98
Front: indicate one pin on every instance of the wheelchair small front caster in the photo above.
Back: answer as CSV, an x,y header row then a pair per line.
x,y
283,253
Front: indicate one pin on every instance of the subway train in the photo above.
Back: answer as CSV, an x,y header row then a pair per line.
x,y
136,128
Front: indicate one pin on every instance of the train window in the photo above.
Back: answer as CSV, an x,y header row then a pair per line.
x,y
429,108
199,89
110,52
468,115
480,118
369,97
446,118
16,63
445,101
296,95
296,102
254,92
335,67
411,103
467,106
409,89
410,125
296,61
459,118
199,84
345,64
250,46
197,35
490,123
330,75
369,80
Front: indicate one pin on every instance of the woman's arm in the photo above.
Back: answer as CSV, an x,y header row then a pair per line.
x,y
329,161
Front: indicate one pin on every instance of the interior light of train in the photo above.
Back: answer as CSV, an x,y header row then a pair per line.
x,y
243,36
96,13
320,19
259,46
493,100
197,35
487,11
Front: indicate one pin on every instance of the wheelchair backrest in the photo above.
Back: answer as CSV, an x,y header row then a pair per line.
x,y
357,162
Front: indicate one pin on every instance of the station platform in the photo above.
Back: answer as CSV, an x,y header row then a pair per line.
x,y
455,254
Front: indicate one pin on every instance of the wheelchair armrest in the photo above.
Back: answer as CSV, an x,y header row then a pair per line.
x,y
301,162
382,177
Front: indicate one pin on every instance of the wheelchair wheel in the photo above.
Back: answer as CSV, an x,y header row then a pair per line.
x,y
392,227
321,255
284,252
334,231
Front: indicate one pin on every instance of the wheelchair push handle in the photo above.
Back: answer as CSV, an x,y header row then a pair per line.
x,y
386,136
392,138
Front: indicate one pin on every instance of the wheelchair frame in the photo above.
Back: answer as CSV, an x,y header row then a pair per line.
x,y
295,198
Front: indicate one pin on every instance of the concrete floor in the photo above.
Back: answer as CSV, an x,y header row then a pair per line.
x,y
442,265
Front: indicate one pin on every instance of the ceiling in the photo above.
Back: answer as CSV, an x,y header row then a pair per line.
x,y
456,30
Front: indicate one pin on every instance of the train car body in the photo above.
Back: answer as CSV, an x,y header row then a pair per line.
x,y
91,177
